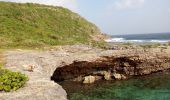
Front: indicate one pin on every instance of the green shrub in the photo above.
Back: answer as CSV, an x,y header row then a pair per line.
x,y
11,80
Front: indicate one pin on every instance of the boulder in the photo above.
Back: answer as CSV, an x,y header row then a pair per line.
x,y
107,76
117,76
89,79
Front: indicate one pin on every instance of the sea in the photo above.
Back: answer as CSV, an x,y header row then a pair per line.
x,y
140,38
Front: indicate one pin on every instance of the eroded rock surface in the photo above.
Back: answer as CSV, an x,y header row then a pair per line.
x,y
40,66
70,62
117,64
89,79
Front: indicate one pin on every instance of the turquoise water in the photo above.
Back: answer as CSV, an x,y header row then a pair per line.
x,y
151,87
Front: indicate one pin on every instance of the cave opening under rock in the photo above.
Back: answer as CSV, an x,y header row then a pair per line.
x,y
122,65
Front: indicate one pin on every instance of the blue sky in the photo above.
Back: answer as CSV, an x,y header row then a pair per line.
x,y
119,16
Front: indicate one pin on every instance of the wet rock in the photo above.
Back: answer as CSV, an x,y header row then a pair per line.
x,y
89,79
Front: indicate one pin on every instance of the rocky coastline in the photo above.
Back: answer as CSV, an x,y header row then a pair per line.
x,y
80,63
119,66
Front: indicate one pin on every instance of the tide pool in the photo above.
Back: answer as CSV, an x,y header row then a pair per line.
x,y
150,87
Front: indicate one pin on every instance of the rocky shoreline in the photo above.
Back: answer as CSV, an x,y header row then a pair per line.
x,y
79,63
119,66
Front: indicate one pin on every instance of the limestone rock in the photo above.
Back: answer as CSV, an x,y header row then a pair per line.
x,y
126,64
29,68
107,76
89,79
117,76
123,77
78,79
98,78
133,62
42,89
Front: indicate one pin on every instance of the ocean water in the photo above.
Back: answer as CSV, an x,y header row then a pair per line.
x,y
150,87
141,38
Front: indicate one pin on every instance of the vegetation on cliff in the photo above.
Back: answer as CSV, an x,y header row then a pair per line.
x,y
34,25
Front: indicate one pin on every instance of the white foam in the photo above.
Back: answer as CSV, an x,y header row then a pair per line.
x,y
116,40
136,41
159,41
123,40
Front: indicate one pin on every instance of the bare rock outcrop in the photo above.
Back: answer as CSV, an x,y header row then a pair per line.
x,y
39,66
77,62
89,79
118,64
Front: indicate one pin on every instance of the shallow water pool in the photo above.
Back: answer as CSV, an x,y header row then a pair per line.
x,y
150,87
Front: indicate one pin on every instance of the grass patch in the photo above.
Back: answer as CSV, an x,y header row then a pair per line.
x,y
36,26
2,59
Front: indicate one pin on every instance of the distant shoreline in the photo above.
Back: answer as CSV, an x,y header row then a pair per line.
x,y
140,38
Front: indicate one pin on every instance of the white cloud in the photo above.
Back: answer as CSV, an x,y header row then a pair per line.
x,y
126,4
70,4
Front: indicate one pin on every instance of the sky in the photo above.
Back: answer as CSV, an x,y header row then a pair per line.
x,y
119,16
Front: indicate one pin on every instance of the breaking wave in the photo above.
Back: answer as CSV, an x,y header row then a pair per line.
x,y
123,40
